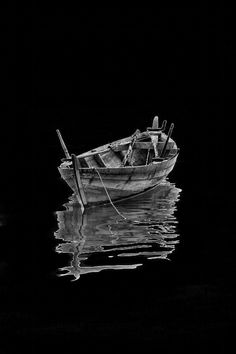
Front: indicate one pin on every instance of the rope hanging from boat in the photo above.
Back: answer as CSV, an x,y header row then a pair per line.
x,y
109,196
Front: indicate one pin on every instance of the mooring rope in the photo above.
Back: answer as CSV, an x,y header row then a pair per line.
x,y
109,196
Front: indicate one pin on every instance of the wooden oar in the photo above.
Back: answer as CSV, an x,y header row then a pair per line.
x,y
167,140
63,145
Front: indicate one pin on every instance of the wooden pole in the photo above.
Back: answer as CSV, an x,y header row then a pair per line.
x,y
78,182
155,133
167,140
63,145
163,127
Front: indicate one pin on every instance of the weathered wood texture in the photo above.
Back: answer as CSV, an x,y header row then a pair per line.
x,y
78,185
123,144
111,159
120,182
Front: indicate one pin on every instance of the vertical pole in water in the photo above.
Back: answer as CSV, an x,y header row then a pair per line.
x,y
80,189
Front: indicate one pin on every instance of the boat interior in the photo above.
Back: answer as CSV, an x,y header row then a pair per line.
x,y
128,152
139,149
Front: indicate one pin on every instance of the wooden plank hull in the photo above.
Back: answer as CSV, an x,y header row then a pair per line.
x,y
120,182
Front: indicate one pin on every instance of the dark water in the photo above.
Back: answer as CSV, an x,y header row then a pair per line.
x,y
164,278
100,239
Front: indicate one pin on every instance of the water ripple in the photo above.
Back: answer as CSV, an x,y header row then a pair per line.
x,y
98,239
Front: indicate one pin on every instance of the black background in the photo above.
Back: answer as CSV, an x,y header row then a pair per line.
x,y
98,74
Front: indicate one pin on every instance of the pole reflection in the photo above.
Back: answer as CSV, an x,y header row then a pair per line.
x,y
98,238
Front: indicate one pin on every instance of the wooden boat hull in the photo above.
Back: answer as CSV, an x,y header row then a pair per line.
x,y
120,182
121,169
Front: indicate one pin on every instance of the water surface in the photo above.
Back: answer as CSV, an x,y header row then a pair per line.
x,y
99,238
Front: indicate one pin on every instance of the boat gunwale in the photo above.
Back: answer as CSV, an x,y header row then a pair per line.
x,y
66,165
106,147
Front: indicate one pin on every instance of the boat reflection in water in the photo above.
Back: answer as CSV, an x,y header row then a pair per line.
x,y
99,238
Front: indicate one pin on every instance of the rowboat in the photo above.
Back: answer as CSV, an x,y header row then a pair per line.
x,y
120,169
